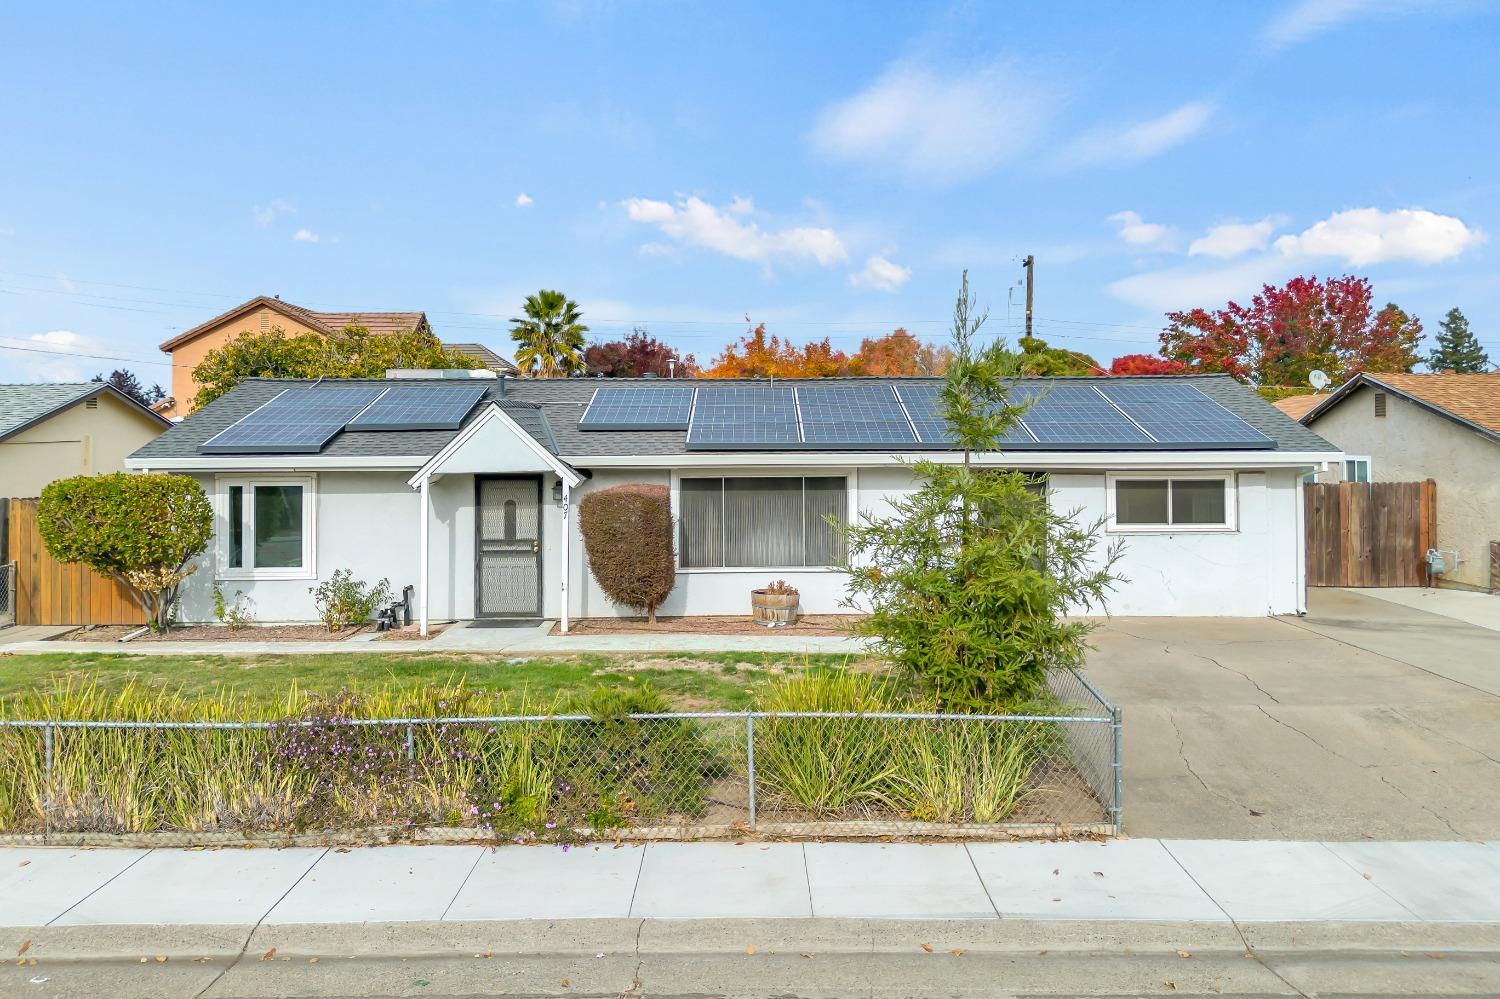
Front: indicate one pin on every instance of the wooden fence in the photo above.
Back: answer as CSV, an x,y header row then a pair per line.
x,y
53,592
1369,533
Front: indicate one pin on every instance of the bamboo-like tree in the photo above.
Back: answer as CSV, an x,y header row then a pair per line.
x,y
549,341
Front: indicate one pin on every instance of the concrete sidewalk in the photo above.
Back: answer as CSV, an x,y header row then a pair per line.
x,y
456,638
1200,881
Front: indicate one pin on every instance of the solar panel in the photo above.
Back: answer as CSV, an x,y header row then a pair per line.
x,y
744,416
924,404
419,407
298,421
853,416
1178,413
619,407
1075,415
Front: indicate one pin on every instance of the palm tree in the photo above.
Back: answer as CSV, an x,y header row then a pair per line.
x,y
549,341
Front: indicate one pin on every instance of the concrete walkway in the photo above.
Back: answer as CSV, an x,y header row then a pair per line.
x,y
1178,880
458,638
1482,610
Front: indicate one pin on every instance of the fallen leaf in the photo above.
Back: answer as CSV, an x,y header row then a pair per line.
x,y
1169,984
1368,877
1056,870
1098,874
342,849
1256,814
927,948
1435,957
1184,953
23,863
957,952
312,960
564,983
24,948
268,954
1042,952
161,959
749,948
143,961
808,954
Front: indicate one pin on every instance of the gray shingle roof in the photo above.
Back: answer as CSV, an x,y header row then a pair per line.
x,y
549,410
24,404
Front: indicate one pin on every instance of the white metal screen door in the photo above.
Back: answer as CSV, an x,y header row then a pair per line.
x,y
508,577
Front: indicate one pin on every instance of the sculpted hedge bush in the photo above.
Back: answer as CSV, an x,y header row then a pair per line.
x,y
143,530
627,533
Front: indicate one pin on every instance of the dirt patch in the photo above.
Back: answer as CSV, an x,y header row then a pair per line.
x,y
812,624
411,633
213,633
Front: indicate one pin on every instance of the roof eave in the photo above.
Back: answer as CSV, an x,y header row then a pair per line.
x,y
104,388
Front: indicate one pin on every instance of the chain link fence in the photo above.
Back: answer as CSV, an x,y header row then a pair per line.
x,y
7,594
569,777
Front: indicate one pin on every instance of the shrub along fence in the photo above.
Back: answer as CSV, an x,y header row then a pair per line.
x,y
568,777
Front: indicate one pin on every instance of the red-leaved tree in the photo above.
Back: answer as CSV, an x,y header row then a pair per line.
x,y
1145,364
1287,332
638,354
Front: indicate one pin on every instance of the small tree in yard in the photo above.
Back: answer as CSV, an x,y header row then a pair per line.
x,y
627,533
143,530
968,578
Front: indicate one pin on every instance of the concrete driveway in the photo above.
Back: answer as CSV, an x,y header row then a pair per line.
x,y
1363,720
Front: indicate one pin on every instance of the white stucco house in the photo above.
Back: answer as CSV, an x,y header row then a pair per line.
x,y
464,488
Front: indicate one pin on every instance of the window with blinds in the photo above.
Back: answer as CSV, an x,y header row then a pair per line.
x,y
762,523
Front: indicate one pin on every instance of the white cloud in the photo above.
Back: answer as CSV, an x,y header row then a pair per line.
x,y
306,236
732,231
264,215
45,357
881,274
523,200
1306,19
1362,236
1138,232
936,127
7,230
1233,239
1131,142
1188,286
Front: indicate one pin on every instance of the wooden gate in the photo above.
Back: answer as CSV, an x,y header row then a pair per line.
x,y
1369,533
53,592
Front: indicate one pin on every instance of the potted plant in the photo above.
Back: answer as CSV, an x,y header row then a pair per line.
x,y
775,605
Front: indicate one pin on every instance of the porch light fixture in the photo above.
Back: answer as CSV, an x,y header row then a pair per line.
x,y
557,491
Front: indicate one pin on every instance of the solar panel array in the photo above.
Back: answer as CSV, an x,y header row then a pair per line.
x,y
419,407
622,408
1076,414
300,420
1175,413
855,415
924,405
745,416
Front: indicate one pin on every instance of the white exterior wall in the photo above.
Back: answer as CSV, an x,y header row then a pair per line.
x,y
368,522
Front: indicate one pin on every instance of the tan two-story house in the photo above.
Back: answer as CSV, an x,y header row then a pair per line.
x,y
262,314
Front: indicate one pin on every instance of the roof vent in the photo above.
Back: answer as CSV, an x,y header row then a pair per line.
x,y
439,373
93,403
1379,403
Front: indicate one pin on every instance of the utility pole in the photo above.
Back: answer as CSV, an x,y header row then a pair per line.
x,y
1030,265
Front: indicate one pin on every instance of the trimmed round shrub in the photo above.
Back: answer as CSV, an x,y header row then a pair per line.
x,y
627,533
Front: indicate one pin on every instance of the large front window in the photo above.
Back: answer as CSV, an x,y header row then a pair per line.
x,y
762,523
1185,502
266,527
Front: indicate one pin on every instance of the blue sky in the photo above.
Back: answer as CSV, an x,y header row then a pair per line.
x,y
827,168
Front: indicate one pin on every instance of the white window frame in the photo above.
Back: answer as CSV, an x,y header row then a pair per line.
x,y
852,512
1369,466
1231,503
309,567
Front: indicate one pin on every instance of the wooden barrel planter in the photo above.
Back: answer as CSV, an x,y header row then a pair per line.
x,y
774,609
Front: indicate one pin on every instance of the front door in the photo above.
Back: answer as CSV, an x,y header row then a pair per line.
x,y
508,527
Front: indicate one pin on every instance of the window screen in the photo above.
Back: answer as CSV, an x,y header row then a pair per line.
x,y
1168,502
743,522
1198,501
1141,502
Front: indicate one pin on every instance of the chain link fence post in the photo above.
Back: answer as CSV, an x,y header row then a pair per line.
x,y
47,770
1117,809
750,760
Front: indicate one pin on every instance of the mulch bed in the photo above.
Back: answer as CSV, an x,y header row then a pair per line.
x,y
812,624
411,633
213,633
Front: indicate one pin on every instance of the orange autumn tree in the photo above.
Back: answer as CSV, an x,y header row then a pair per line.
x,y
898,353
758,355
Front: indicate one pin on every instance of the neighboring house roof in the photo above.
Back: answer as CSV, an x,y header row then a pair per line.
x,y
323,322
549,409
1471,400
486,357
23,406
1298,406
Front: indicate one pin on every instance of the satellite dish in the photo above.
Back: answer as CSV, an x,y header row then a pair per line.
x,y
1318,379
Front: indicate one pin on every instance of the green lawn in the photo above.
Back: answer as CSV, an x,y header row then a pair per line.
x,y
692,681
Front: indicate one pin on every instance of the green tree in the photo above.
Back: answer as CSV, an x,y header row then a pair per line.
x,y
549,341
1038,358
1457,348
353,352
143,530
968,579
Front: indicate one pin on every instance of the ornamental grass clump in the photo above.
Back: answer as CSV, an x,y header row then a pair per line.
x,y
627,533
